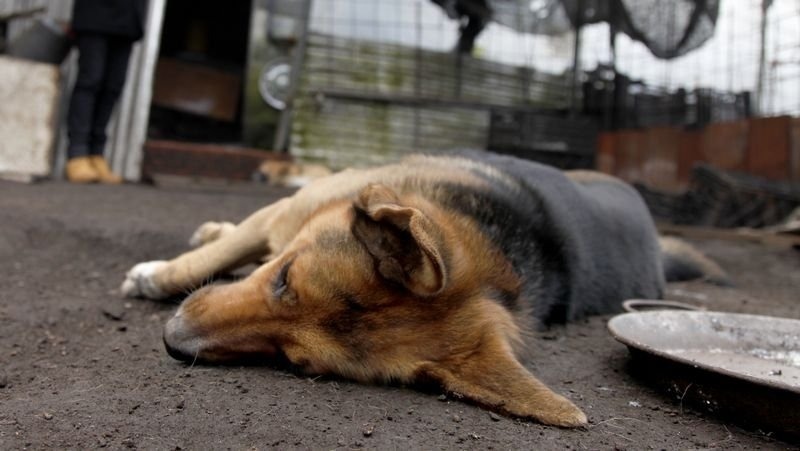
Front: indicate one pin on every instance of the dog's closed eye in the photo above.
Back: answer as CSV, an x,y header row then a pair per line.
x,y
280,285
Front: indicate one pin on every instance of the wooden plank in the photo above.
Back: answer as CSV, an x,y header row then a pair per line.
x,y
196,89
358,66
352,133
374,123
409,100
203,160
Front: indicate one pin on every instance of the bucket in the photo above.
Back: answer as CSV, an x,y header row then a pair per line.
x,y
44,41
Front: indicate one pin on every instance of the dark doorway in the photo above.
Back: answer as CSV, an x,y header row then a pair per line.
x,y
198,85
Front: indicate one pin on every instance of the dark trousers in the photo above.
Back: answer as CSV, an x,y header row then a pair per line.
x,y
102,68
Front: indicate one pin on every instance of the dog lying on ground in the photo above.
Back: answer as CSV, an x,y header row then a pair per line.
x,y
429,270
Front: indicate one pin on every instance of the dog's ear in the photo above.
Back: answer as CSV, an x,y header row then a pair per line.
x,y
403,241
492,377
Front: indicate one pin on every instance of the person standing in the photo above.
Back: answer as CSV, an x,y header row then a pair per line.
x,y
105,31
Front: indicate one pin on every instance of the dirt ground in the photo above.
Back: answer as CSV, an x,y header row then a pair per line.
x,y
83,368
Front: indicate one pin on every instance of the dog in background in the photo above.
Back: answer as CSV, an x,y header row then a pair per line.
x,y
429,270
291,174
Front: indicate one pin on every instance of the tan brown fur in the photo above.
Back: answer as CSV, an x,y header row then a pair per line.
x,y
686,258
292,173
584,176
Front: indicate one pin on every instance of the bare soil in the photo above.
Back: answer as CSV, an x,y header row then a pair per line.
x,y
83,368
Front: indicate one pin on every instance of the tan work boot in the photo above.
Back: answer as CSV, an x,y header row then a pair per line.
x,y
104,172
81,170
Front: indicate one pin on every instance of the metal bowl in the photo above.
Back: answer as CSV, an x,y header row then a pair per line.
x,y
745,367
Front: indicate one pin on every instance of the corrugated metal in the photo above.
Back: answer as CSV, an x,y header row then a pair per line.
x,y
606,158
630,145
690,153
768,147
795,149
725,145
660,161
663,157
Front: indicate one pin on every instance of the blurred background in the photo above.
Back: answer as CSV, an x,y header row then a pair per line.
x,y
686,99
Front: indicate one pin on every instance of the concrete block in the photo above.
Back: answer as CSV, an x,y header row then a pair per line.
x,y
29,94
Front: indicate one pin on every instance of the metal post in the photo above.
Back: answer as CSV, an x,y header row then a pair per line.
x,y
298,58
417,74
576,56
141,93
610,96
765,4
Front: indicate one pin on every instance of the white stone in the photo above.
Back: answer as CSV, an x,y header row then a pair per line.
x,y
29,94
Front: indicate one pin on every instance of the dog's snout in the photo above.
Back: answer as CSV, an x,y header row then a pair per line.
x,y
176,339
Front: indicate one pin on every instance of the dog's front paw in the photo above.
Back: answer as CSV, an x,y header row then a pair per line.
x,y
140,281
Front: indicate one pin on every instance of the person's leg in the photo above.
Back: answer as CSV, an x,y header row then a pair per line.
x,y
116,70
119,50
91,66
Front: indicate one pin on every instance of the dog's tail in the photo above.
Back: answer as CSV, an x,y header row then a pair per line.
x,y
681,262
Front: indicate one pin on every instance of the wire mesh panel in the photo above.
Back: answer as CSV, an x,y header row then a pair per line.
x,y
381,80
729,61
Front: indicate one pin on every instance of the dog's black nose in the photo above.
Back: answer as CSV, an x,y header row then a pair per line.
x,y
176,353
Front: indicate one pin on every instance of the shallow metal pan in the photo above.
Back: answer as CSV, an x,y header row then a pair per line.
x,y
744,367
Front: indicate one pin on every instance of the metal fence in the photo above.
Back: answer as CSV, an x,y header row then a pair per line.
x,y
729,62
381,79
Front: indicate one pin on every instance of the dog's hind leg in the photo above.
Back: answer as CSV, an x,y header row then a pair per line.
x,y
683,262
245,243
210,231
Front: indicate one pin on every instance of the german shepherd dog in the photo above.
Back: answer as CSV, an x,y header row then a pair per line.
x,y
430,270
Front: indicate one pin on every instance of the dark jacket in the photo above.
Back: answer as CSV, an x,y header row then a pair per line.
x,y
123,18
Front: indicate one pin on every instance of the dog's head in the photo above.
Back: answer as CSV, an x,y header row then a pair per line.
x,y
386,288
